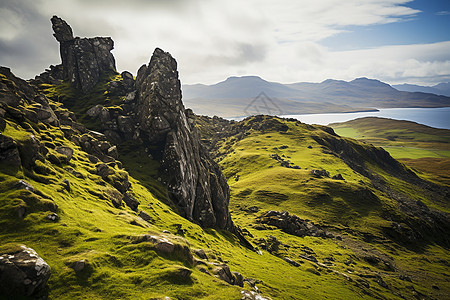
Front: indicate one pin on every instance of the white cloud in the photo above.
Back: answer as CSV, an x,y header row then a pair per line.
x,y
213,39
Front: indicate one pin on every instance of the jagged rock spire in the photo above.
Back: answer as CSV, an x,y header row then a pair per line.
x,y
85,60
194,181
63,32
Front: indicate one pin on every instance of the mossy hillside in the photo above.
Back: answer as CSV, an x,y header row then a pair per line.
x,y
79,103
92,228
261,178
353,207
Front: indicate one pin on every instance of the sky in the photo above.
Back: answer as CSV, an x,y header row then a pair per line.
x,y
395,41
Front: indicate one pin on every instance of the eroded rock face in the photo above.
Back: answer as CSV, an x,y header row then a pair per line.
x,y
23,273
85,60
195,183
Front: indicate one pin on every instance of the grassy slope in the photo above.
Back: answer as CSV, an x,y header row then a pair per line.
x,y
91,228
342,206
424,148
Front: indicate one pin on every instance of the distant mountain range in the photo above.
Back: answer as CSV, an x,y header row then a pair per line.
x,y
438,89
239,96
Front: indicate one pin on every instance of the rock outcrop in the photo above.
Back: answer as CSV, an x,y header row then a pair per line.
x,y
84,60
152,115
195,183
23,274
22,104
293,225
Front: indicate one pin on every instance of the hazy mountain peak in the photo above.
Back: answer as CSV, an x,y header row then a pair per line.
x,y
438,89
328,81
246,78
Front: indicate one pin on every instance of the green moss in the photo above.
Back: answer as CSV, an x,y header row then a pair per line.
x,y
79,103
92,228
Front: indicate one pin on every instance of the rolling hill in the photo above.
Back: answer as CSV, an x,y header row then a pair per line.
x,y
425,148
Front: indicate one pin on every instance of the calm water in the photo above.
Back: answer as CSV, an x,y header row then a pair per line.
x,y
434,117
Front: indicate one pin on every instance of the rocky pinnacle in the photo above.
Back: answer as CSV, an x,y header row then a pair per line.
x,y
85,61
194,181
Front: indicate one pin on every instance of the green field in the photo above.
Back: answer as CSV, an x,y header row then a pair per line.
x,y
412,143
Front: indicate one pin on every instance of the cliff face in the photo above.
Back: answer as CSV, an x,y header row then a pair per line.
x,y
195,183
152,114
84,60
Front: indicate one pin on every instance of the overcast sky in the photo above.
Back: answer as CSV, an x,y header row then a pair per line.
x,y
395,41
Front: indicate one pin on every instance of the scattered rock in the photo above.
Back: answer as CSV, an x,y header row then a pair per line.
x,y
103,170
23,274
238,279
131,202
66,185
270,244
291,262
29,151
183,272
145,216
224,274
203,270
251,295
9,153
405,278
309,257
292,224
53,217
320,173
201,253
79,266
163,246
66,151
21,211
22,184
253,209
95,111
337,177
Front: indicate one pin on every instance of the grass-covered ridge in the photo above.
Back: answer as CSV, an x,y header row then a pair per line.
x,y
422,147
361,208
